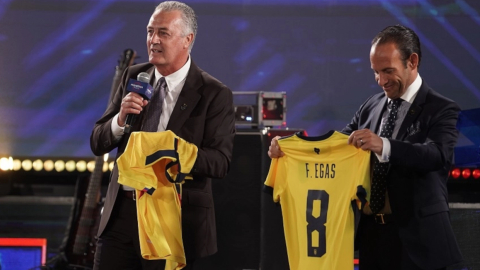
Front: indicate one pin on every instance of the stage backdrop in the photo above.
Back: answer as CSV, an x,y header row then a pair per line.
x,y
57,58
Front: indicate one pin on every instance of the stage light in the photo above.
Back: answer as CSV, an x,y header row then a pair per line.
x,y
476,173
70,166
466,173
17,165
6,164
48,165
105,162
59,165
91,165
27,165
37,165
105,167
456,173
81,166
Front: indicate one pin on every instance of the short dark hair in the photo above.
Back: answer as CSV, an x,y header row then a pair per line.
x,y
405,38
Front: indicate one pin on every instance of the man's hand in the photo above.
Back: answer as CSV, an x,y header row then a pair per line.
x,y
274,149
131,103
367,140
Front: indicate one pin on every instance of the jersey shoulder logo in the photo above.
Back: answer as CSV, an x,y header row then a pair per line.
x,y
316,150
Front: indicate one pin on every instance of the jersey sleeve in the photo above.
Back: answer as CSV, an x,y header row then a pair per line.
x,y
363,181
275,182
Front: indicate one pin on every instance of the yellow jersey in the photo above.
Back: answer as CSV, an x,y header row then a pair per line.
x,y
315,183
155,164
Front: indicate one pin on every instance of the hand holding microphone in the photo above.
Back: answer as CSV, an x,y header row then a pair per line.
x,y
142,87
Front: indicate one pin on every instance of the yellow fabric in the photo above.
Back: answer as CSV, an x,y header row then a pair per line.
x,y
158,214
330,171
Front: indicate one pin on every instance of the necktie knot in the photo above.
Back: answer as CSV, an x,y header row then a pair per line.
x,y
396,103
161,84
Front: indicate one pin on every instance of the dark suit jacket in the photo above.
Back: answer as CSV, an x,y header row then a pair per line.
x,y
203,115
421,156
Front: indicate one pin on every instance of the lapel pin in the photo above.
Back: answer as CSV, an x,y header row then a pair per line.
x,y
184,106
412,112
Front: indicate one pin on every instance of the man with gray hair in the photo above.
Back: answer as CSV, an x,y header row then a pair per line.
x,y
193,105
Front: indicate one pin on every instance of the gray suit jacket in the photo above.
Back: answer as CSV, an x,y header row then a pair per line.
x,y
421,156
203,115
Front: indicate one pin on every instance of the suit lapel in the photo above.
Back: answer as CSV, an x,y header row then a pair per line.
x,y
413,112
187,100
151,72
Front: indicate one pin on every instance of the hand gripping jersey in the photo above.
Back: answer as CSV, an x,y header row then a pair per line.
x,y
315,182
155,163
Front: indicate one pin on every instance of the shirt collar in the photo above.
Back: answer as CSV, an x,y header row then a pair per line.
x,y
412,90
175,78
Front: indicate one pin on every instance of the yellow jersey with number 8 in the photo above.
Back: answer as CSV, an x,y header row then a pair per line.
x,y
315,182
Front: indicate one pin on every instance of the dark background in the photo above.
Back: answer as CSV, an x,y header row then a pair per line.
x,y
57,59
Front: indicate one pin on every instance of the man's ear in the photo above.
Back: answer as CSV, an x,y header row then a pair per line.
x,y
413,61
188,40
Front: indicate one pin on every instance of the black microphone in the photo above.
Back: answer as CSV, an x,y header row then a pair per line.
x,y
142,87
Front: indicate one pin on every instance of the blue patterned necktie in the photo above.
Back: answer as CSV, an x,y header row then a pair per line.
x,y
379,185
154,109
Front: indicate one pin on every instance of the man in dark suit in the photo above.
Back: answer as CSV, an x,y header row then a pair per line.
x,y
411,227
199,109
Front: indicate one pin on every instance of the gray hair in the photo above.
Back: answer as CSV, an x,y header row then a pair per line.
x,y
188,17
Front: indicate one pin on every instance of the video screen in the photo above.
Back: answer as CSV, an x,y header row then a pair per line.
x,y
58,59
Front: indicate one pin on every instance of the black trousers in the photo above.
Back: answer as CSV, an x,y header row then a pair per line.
x,y
380,247
119,245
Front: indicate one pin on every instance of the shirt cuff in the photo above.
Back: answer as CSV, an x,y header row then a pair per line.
x,y
385,157
117,130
